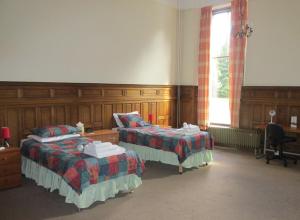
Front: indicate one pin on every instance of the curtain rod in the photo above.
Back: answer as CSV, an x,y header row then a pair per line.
x,y
221,10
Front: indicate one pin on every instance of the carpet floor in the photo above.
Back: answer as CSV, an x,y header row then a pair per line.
x,y
234,186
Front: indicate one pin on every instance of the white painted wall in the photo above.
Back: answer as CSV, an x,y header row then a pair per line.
x,y
190,46
103,41
273,49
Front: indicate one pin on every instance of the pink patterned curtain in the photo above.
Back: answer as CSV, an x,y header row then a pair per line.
x,y
239,13
203,69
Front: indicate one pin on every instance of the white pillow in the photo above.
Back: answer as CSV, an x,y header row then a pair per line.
x,y
52,139
118,121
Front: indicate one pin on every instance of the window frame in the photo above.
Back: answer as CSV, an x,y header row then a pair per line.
x,y
226,9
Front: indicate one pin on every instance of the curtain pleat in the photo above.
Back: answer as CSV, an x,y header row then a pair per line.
x,y
203,68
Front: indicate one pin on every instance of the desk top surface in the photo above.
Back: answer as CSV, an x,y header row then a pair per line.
x,y
285,128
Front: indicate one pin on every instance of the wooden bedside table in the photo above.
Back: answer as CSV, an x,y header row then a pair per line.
x,y
104,135
10,168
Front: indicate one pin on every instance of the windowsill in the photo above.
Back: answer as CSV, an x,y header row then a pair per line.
x,y
219,126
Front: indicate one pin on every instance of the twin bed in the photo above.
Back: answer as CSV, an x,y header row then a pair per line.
x,y
83,179
167,145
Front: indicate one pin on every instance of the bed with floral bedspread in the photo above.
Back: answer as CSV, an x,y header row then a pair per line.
x,y
83,179
190,150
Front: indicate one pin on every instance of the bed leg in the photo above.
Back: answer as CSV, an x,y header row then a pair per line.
x,y
79,209
180,169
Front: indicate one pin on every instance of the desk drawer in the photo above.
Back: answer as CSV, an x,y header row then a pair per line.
x,y
9,169
10,181
10,157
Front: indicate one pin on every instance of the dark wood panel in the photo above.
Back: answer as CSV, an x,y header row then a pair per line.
x,y
60,115
85,116
13,124
107,115
258,101
45,116
97,115
24,105
28,119
36,93
188,104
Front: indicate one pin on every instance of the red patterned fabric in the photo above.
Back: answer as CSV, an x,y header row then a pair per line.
x,y
236,58
203,69
132,121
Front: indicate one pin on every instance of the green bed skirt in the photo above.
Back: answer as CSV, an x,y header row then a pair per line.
x,y
96,192
148,153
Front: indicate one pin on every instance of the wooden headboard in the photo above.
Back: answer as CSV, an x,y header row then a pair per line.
x,y
24,105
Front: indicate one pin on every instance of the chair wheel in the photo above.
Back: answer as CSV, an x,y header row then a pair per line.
x,y
285,163
267,162
295,162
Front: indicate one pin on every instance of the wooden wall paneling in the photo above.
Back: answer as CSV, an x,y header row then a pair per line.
x,y
28,118
188,104
127,107
68,114
133,92
145,111
294,111
153,111
245,115
36,92
282,114
118,108
186,107
13,122
6,92
136,107
97,115
74,115
163,113
24,105
85,114
91,92
107,115
66,92
44,116
261,99
59,115
114,92
3,117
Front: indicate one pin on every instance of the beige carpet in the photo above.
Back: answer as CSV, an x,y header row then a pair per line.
x,y
235,186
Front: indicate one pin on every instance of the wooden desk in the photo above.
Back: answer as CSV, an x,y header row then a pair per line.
x,y
286,129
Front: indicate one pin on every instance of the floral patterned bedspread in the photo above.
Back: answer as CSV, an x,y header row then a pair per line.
x,y
77,169
168,139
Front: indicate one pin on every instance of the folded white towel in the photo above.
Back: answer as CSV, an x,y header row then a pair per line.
x,y
189,129
100,150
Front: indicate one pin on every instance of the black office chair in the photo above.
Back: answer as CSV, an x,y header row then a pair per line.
x,y
276,141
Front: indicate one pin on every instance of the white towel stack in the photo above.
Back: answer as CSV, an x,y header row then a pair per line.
x,y
190,129
103,149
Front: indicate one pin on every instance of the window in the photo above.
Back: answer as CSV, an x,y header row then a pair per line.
x,y
219,112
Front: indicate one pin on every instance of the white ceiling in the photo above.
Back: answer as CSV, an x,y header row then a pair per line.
x,y
186,4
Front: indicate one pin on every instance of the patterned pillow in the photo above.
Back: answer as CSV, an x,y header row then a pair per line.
x,y
132,121
52,131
